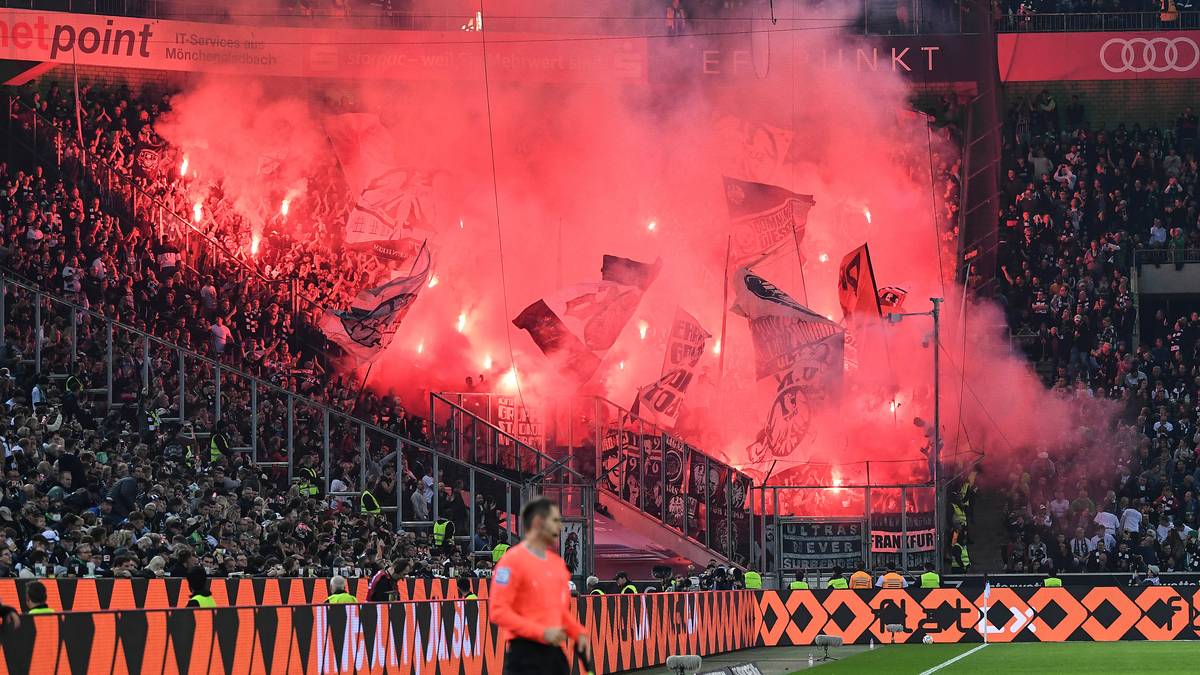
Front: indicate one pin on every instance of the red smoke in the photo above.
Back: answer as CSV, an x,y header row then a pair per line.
x,y
587,169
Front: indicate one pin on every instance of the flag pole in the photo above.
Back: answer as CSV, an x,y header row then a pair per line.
x,y
800,260
724,309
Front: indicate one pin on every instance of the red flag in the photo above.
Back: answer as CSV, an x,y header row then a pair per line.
x,y
856,284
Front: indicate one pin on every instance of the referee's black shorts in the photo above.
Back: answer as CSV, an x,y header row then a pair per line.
x,y
526,657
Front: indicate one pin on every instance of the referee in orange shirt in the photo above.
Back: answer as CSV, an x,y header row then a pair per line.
x,y
531,598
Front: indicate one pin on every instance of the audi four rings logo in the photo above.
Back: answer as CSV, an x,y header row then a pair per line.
x,y
1155,55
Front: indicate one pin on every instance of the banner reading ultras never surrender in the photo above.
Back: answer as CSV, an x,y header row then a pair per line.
x,y
122,42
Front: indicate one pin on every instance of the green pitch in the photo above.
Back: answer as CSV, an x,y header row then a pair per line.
x,y
1026,657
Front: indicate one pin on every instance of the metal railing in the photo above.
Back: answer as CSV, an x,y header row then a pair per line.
x,y
58,338
654,471
475,440
902,516
1100,21
1165,256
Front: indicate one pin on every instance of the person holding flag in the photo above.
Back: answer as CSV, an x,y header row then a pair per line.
x,y
531,598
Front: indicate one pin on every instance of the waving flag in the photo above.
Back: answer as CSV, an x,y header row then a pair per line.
x,y
394,207
891,299
579,323
751,150
659,403
764,217
367,328
856,284
784,332
798,353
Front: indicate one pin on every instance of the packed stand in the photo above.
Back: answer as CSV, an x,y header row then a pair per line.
x,y
127,495
1079,201
82,469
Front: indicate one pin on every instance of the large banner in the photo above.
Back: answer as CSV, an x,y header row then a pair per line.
x,y
394,208
621,454
1037,57
764,218
786,334
122,42
821,544
800,351
728,56
521,421
895,533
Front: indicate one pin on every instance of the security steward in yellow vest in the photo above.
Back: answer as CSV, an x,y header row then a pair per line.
x,y
623,584
753,580
35,596
218,444
367,503
308,483
197,580
338,594
443,532
891,579
930,578
861,579
1052,580
837,581
498,552
593,586
799,584
960,561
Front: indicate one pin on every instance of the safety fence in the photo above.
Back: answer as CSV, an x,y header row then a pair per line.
x,y
92,595
429,637
627,631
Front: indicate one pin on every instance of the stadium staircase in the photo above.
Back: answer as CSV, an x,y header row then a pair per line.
x,y
626,536
988,532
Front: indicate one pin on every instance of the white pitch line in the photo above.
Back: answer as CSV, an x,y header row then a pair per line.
x,y
960,657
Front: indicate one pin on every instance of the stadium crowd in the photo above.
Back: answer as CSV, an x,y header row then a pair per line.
x,y
136,486
1080,201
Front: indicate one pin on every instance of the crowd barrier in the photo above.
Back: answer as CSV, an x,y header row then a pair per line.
x,y
92,595
628,631
429,637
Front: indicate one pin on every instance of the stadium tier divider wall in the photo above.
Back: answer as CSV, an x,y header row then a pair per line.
x,y
628,631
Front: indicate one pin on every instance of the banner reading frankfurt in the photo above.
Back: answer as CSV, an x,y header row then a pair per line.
x,y
367,328
390,204
579,323
659,403
1035,57
764,217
